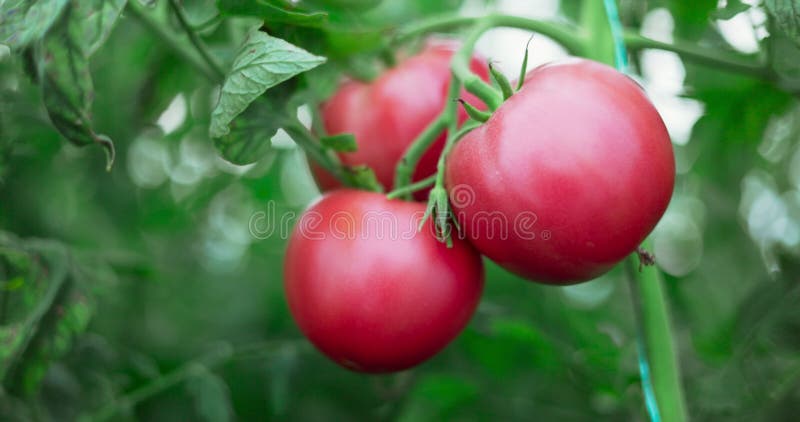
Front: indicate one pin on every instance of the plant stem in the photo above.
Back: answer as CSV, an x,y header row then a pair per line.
x,y
414,152
308,142
130,400
196,41
162,34
406,191
564,34
461,69
700,55
573,40
653,317
658,363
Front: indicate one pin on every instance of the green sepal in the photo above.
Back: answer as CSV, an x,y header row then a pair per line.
x,y
502,82
523,70
474,113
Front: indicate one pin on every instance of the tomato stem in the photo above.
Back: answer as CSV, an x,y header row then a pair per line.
x,y
461,69
564,34
219,356
408,163
311,145
407,190
658,361
167,37
652,317
575,41
219,73
701,55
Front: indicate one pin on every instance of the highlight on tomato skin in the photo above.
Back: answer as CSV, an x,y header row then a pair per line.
x,y
584,155
387,114
372,292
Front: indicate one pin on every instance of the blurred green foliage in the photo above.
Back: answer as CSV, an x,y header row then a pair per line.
x,y
154,298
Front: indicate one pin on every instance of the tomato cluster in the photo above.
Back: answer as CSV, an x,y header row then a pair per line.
x,y
562,182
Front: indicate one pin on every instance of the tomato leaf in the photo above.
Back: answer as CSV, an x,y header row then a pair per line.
x,y
345,142
271,12
92,22
691,17
25,21
787,16
262,62
63,69
50,311
249,137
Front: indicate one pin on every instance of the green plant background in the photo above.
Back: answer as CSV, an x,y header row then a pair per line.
x,y
141,294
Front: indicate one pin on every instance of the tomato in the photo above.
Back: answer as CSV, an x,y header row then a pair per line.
x,y
371,291
567,177
387,115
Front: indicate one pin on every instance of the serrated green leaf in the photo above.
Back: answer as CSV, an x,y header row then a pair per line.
x,y
263,62
271,12
67,92
345,142
787,16
249,137
63,70
731,9
25,21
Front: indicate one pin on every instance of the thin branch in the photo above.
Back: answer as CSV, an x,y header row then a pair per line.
x,y
407,190
659,345
167,37
196,41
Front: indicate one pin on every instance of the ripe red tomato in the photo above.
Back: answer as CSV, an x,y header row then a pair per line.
x,y
567,177
371,291
387,115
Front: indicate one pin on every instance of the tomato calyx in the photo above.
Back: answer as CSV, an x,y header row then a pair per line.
x,y
473,112
501,81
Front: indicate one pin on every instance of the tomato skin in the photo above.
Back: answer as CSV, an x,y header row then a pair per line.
x,y
377,297
387,114
583,149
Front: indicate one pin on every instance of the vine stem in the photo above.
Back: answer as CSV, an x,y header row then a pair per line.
x,y
658,362
462,75
167,37
219,73
405,167
565,34
221,355
653,316
461,69
406,191
573,39
311,145
705,56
